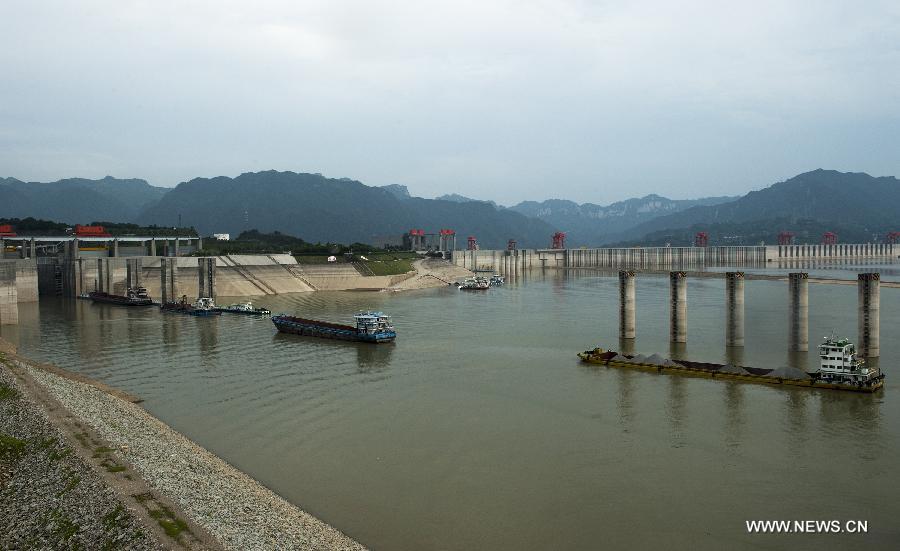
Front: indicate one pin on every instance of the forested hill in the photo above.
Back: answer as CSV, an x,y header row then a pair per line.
x,y
337,210
77,200
857,203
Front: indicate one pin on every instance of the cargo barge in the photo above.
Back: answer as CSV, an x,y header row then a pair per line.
x,y
839,368
245,308
137,296
374,327
203,307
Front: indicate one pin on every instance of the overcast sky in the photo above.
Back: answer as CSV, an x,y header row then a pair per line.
x,y
502,100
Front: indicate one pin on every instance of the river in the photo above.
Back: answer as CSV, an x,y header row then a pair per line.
x,y
480,429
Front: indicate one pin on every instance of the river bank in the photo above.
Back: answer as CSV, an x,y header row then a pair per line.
x,y
118,477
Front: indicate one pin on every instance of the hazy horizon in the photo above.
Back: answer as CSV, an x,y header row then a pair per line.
x,y
592,102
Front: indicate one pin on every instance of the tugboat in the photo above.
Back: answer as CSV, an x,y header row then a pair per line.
x,y
202,307
497,280
244,308
476,283
839,368
839,365
374,327
136,296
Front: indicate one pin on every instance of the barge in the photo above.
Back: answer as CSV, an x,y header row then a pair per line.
x,y
137,296
203,307
839,368
476,283
245,308
374,327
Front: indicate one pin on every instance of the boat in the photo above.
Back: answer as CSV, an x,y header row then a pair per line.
x,y
476,283
374,327
134,296
202,307
839,368
243,308
497,280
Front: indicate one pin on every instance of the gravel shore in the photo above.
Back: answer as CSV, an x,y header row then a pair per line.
x,y
235,509
50,498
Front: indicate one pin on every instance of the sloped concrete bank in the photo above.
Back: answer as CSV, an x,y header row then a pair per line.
x,y
180,487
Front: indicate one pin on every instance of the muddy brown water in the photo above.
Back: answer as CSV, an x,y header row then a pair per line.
x,y
479,429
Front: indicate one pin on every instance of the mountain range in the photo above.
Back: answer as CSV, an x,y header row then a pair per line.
x,y
854,205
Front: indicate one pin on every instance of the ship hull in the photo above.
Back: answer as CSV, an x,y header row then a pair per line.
x,y
711,373
244,312
324,330
118,300
188,310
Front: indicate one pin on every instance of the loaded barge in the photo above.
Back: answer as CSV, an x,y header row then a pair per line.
x,y
371,327
203,307
245,308
839,368
137,296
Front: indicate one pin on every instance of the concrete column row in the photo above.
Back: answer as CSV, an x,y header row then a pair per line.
x,y
868,285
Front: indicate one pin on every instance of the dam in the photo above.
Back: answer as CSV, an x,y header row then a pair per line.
x,y
674,258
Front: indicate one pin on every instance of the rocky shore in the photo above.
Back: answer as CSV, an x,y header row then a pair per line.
x,y
49,497
209,503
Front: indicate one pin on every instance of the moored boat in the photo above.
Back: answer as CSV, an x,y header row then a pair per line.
x,y
476,283
245,308
201,307
839,368
136,296
497,280
374,327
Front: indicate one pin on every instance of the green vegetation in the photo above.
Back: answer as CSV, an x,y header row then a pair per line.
x,y
172,525
255,242
65,528
56,455
73,481
115,468
390,267
8,392
10,447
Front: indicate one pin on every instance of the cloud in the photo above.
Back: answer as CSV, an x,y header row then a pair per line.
x,y
502,100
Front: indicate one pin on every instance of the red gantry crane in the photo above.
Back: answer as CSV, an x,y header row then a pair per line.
x,y
558,240
701,239
786,238
829,238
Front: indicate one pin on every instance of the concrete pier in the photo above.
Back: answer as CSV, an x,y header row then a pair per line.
x,y
9,300
101,277
626,305
678,300
798,305
206,283
734,309
168,274
869,323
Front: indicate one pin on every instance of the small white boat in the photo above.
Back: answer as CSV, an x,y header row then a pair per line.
x,y
476,283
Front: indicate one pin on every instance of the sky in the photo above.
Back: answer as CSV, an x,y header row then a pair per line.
x,y
500,100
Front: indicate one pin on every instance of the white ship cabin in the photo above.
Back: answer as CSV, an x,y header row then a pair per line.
x,y
373,322
137,293
205,303
839,363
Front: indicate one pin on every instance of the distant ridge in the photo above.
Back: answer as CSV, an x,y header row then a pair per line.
x,y
590,224
320,209
78,200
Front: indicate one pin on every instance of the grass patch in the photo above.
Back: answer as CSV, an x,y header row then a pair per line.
x,y
73,482
56,455
113,518
7,392
173,528
100,451
115,468
390,267
10,447
65,528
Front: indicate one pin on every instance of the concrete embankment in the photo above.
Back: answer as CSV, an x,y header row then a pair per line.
x,y
257,275
181,487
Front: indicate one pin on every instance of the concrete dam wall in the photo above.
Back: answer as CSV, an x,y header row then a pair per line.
x,y
679,258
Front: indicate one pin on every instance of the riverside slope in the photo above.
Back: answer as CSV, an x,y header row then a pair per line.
x,y
236,510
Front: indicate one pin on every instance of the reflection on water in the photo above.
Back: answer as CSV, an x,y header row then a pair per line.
x,y
479,429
